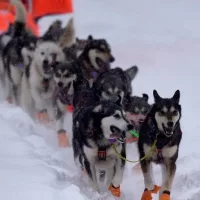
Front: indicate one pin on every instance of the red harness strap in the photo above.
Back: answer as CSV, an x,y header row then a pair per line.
x,y
70,108
102,154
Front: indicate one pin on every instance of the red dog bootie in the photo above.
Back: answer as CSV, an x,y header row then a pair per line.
x,y
156,189
42,117
165,196
63,140
70,108
115,191
147,193
10,100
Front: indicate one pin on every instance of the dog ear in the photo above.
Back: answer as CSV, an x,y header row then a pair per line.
x,y
157,98
126,99
90,38
67,38
176,96
132,72
119,101
39,41
98,108
145,97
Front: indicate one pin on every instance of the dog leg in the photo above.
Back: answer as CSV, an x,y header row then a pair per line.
x,y
146,167
117,179
168,173
92,178
16,94
62,135
40,107
78,156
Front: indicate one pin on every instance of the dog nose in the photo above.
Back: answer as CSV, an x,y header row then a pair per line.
x,y
112,59
130,127
170,124
45,62
60,84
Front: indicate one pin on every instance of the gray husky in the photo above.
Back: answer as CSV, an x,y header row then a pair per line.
x,y
161,128
136,109
115,82
95,59
38,85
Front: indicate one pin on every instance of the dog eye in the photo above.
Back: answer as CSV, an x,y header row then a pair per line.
x,y
42,53
162,112
117,116
144,112
175,112
58,75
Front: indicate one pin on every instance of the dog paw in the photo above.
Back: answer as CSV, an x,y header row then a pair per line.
x,y
146,195
42,117
115,190
63,140
156,189
10,100
164,197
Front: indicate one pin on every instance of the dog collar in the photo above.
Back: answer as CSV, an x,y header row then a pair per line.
x,y
20,65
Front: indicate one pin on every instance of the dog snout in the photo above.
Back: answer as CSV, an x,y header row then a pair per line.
x,y
170,124
60,84
130,127
112,59
45,62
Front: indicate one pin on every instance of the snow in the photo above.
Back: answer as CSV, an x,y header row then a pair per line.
x,y
163,39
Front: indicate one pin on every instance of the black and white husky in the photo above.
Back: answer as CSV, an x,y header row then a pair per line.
x,y
161,124
65,75
95,129
17,53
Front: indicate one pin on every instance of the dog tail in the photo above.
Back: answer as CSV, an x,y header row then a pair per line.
x,y
68,36
20,17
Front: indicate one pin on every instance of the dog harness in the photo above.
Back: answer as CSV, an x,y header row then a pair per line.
x,y
102,154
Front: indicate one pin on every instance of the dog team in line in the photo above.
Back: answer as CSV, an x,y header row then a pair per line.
x,y
58,73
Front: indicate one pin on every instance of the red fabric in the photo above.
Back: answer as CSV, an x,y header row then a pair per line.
x,y
42,7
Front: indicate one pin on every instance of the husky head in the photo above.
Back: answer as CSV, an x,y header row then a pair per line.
x,y
115,82
167,112
136,108
82,43
98,54
64,76
47,55
29,49
111,120
21,50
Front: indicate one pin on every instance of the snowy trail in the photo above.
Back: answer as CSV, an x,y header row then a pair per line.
x,y
163,39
